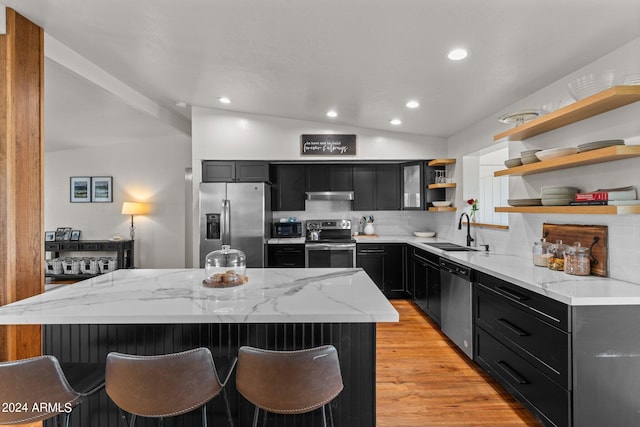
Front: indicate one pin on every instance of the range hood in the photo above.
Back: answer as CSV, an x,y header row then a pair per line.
x,y
329,195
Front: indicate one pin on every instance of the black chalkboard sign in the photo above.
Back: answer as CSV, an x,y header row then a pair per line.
x,y
328,145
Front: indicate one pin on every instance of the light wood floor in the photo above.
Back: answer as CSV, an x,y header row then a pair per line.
x,y
423,380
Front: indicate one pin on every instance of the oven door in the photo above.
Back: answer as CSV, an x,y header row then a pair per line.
x,y
330,255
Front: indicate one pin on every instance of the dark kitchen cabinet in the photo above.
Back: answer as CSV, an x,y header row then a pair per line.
x,y
288,187
329,177
424,276
235,171
413,185
376,187
523,340
384,263
285,255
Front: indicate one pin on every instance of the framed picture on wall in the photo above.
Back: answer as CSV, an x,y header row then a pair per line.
x,y
75,235
80,189
102,189
49,236
63,233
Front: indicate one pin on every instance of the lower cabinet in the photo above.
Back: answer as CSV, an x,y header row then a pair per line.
x,y
424,277
384,263
523,340
289,256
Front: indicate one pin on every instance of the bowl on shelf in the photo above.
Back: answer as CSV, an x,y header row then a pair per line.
x,y
512,163
424,233
593,83
442,204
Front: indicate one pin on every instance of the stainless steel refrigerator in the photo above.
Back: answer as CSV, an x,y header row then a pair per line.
x,y
235,214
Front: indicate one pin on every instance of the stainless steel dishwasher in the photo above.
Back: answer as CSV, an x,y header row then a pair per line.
x,y
456,316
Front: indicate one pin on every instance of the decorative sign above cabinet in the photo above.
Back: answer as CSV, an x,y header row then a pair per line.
x,y
328,145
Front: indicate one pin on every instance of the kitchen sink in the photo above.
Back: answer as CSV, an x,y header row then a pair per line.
x,y
445,246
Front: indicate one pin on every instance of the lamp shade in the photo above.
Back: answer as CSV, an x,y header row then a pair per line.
x,y
135,208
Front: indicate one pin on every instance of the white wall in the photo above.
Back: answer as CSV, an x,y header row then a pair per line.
x,y
152,171
624,123
224,135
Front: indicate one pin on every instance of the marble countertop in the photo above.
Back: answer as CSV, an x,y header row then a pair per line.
x,y
272,295
571,290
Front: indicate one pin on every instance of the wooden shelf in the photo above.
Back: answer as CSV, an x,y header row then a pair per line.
x,y
593,105
485,225
608,154
445,185
445,209
441,162
592,210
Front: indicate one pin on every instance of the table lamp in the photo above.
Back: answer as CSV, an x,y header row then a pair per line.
x,y
134,208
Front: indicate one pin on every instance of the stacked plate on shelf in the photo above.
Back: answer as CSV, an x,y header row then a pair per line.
x,y
524,202
558,196
555,152
529,156
599,144
512,163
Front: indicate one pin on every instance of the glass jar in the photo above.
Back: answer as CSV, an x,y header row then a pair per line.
x,y
541,253
225,267
556,260
577,260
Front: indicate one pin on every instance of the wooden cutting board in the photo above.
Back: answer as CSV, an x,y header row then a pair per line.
x,y
587,235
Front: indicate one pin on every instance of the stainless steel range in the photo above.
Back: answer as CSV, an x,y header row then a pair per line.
x,y
330,244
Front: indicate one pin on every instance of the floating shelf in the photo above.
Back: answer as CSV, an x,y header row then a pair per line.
x,y
445,185
608,154
445,209
441,162
593,105
589,210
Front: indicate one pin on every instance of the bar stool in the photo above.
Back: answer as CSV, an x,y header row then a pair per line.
x,y
289,382
165,385
39,389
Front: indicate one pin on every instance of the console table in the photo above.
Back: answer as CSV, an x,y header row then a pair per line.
x,y
122,248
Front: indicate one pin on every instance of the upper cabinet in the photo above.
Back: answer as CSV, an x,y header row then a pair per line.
x,y
235,171
288,188
599,103
412,175
376,187
329,177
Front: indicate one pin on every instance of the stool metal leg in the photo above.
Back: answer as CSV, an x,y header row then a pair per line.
x,y
204,415
256,412
324,416
226,403
132,423
331,414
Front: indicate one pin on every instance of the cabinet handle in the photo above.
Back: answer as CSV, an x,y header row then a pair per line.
x,y
511,372
511,294
513,328
288,264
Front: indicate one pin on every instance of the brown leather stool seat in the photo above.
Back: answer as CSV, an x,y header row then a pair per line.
x,y
165,385
289,382
38,389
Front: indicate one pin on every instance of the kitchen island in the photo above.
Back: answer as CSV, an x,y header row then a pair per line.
x,y
162,311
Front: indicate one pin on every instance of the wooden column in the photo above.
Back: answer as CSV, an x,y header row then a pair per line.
x,y
21,177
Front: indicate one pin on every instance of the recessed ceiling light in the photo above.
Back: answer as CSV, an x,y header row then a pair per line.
x,y
413,104
224,100
181,104
457,54
395,122
332,113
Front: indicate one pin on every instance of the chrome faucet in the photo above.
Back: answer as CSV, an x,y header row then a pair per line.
x,y
469,238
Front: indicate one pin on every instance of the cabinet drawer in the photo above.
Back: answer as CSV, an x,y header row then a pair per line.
x,y
51,247
551,311
546,399
69,246
89,246
543,345
108,246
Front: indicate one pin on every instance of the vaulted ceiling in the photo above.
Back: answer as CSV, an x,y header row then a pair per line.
x,y
298,59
